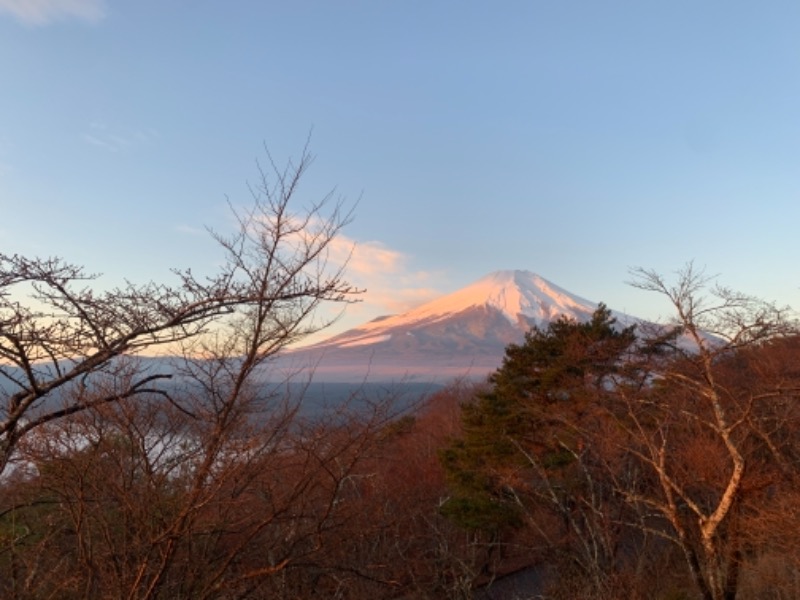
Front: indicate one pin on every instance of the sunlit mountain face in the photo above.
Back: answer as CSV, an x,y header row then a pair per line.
x,y
463,334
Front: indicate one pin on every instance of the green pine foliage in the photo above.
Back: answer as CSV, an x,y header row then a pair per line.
x,y
524,432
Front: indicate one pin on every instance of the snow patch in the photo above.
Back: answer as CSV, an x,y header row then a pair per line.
x,y
374,339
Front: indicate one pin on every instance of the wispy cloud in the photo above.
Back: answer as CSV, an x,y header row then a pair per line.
x,y
42,12
391,285
101,136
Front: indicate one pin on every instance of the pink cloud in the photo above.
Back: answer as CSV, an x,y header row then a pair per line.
x,y
42,12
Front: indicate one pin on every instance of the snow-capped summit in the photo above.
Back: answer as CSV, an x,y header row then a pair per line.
x,y
521,297
513,293
465,332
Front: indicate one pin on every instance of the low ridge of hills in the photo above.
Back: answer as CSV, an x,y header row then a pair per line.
x,y
463,334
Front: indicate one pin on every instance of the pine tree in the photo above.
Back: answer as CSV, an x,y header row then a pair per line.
x,y
523,437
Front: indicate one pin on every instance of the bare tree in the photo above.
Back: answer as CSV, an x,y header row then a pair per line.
x,y
120,503
205,484
700,434
60,338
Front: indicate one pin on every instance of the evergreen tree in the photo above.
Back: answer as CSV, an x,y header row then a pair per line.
x,y
523,436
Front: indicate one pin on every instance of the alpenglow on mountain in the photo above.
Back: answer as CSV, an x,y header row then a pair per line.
x,y
461,334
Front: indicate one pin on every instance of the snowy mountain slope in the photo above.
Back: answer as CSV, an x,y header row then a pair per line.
x,y
463,333
521,297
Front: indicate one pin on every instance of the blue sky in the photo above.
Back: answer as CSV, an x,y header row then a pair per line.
x,y
575,139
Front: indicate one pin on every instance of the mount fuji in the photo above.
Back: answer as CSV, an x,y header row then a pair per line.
x,y
463,334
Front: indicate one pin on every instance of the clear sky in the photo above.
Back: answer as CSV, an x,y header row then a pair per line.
x,y
575,139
